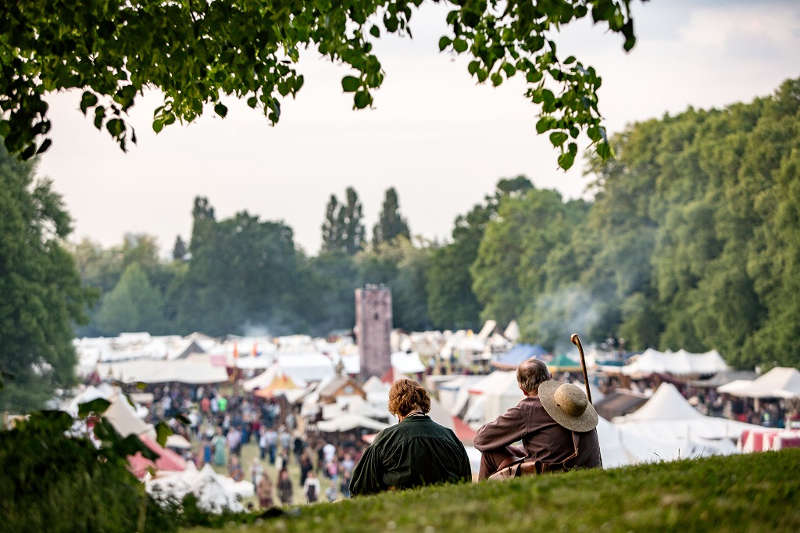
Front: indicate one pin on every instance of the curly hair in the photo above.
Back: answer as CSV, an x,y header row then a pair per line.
x,y
406,395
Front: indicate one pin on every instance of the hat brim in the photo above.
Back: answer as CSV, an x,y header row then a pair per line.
x,y
587,421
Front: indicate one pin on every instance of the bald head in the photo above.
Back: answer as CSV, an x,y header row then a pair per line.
x,y
530,373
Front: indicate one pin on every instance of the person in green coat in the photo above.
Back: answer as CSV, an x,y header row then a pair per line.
x,y
219,448
416,451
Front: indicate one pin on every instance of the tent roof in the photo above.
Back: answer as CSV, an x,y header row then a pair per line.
x,y
497,382
348,422
780,382
678,363
407,363
520,353
563,361
619,403
122,416
665,404
167,459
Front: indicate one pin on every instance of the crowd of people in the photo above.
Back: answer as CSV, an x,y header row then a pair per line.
x,y
284,457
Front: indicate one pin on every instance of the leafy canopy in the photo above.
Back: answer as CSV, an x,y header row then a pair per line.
x,y
195,52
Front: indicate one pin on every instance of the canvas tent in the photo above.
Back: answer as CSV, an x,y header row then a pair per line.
x,y
680,363
407,363
667,416
780,382
349,422
194,369
518,354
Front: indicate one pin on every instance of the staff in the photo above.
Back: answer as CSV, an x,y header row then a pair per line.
x,y
577,342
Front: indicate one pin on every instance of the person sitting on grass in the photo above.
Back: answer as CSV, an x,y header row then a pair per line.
x,y
554,421
416,451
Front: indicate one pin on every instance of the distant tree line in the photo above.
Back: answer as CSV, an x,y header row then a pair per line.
x,y
692,241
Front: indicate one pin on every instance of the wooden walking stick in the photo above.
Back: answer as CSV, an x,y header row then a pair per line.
x,y
577,342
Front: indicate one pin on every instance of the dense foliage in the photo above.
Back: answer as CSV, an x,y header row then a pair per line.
x,y
196,53
55,481
40,291
693,240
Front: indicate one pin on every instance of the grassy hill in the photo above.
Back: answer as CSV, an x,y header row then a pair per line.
x,y
757,492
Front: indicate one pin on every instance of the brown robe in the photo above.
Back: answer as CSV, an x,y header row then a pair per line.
x,y
542,439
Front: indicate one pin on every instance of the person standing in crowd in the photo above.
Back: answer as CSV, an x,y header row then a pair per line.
x,y
234,440
345,484
330,493
298,445
264,491
262,443
328,453
206,450
222,403
272,444
311,488
219,448
306,466
205,406
416,451
256,472
235,469
285,440
284,487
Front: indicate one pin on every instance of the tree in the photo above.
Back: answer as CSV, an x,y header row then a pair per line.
x,y
451,300
196,52
351,218
133,305
42,296
331,229
179,250
390,222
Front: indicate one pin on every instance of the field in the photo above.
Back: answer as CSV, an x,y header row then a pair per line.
x,y
757,492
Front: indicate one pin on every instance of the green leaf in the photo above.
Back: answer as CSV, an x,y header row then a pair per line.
x,y
473,66
221,110
459,45
88,99
569,60
45,145
362,99
162,432
566,160
158,125
543,124
375,31
115,127
350,84
97,406
509,69
594,133
497,79
533,76
444,42
557,138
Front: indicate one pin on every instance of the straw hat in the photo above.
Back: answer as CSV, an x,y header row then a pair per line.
x,y
567,405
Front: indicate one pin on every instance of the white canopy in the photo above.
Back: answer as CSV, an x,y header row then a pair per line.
x,y
678,363
780,382
348,422
193,370
668,416
407,363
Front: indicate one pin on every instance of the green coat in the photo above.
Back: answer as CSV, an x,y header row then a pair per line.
x,y
415,452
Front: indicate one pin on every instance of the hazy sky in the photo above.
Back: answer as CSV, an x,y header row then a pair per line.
x,y
435,135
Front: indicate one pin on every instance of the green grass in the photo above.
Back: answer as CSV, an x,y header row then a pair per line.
x,y
756,492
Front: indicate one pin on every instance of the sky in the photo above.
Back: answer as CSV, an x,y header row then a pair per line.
x,y
441,140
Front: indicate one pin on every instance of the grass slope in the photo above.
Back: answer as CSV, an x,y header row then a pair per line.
x,y
757,492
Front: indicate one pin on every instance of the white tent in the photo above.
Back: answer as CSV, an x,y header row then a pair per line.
x,y
512,331
407,363
668,416
348,422
440,415
780,382
192,370
678,363
499,391
309,366
123,417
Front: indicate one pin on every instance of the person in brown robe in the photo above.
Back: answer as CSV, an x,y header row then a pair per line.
x,y
570,442
264,492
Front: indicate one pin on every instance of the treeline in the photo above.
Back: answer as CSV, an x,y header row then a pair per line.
x,y
692,241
